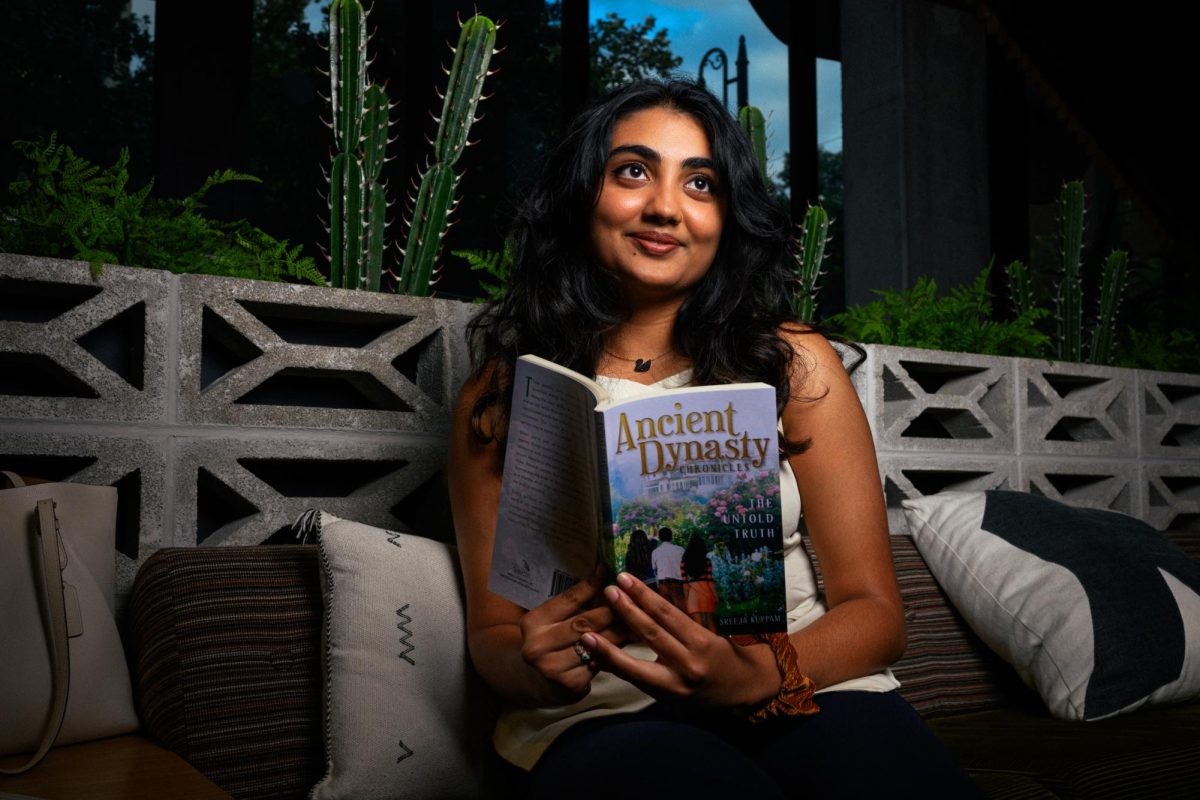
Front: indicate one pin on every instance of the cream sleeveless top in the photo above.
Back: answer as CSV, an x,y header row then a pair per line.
x,y
523,734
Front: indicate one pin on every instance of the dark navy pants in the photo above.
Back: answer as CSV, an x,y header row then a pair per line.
x,y
860,745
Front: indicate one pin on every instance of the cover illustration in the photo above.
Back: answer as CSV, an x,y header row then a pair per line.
x,y
693,475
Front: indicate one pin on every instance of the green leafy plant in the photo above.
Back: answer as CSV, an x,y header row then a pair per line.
x,y
961,321
1177,350
495,263
71,208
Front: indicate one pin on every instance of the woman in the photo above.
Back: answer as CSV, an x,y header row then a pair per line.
x,y
698,585
650,253
637,558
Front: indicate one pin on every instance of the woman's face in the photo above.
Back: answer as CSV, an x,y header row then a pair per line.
x,y
657,222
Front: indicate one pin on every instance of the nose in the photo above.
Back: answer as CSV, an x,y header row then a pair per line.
x,y
662,204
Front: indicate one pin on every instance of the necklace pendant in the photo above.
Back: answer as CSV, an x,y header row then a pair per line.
x,y
642,366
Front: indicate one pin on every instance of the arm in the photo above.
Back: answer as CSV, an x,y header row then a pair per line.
x,y
844,511
527,657
844,508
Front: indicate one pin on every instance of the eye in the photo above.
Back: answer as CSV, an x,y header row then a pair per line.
x,y
633,170
702,183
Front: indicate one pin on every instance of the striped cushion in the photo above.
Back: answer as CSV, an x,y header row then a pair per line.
x,y
224,648
945,669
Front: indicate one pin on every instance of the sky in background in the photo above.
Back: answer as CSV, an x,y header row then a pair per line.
x,y
696,26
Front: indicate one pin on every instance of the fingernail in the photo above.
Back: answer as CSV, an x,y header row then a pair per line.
x,y
589,640
612,593
625,580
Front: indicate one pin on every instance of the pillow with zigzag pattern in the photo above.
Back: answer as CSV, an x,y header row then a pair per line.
x,y
405,714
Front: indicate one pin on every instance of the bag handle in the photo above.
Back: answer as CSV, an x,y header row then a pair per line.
x,y
60,653
16,481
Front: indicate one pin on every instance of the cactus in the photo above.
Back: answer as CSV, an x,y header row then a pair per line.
x,y
357,200
814,233
1068,297
1020,287
1068,300
752,122
435,200
1112,287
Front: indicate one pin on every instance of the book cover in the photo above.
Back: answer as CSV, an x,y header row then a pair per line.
x,y
694,506
679,487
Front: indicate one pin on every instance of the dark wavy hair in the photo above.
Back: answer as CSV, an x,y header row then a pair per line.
x,y
560,303
695,557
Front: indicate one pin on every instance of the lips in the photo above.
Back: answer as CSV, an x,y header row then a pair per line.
x,y
656,243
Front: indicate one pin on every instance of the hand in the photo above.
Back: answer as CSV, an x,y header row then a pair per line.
x,y
551,632
693,662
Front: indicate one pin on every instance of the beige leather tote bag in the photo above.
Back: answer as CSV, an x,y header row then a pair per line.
x,y
63,676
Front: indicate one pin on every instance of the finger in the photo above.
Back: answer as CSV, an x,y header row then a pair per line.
x,y
652,677
659,609
541,639
644,626
564,605
594,619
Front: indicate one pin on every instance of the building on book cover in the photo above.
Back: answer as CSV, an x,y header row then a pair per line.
x,y
694,475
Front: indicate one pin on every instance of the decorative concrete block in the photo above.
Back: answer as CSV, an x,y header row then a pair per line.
x,y
906,476
264,354
1109,485
1171,498
1169,414
1076,409
242,490
135,465
74,346
922,400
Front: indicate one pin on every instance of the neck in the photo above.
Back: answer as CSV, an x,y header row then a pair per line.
x,y
648,335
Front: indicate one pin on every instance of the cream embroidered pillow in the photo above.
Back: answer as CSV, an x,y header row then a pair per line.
x,y
405,714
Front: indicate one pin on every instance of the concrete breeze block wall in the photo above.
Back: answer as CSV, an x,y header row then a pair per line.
x,y
221,409
1101,437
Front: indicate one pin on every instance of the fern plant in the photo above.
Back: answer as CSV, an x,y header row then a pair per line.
x,y
494,263
961,321
68,207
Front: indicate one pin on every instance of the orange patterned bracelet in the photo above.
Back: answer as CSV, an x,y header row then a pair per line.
x,y
795,690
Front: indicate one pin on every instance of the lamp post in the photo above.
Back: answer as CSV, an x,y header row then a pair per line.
x,y
717,59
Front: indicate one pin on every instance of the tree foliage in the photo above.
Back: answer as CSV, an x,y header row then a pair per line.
x,y
624,52
79,67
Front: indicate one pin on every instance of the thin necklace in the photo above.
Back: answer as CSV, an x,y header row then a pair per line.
x,y
640,364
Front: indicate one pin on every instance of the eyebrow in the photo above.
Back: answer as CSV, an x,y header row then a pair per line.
x,y
650,154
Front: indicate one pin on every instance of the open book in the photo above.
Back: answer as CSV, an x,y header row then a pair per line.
x,y
588,480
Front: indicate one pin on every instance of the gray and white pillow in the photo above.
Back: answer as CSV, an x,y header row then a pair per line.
x,y
1097,611
405,714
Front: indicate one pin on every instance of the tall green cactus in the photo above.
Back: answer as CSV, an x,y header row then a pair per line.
x,y
1068,301
357,201
814,232
1020,287
435,198
752,122
813,236
1068,296
1112,287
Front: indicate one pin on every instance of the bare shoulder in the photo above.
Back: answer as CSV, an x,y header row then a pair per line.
x,y
817,367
